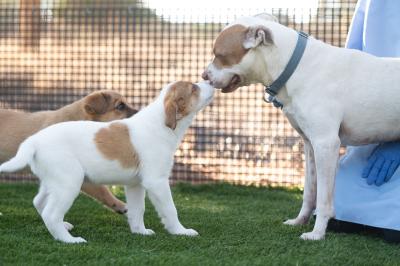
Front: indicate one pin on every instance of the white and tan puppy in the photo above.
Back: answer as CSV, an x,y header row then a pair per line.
x,y
136,152
102,105
335,96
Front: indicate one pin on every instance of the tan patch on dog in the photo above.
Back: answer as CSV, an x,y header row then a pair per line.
x,y
228,47
115,144
179,101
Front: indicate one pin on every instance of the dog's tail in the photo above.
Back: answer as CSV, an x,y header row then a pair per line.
x,y
24,156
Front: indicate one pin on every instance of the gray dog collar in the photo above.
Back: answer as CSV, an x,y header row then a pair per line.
x,y
272,90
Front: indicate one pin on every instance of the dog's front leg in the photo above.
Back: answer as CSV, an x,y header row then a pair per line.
x,y
310,187
104,195
326,152
161,197
135,196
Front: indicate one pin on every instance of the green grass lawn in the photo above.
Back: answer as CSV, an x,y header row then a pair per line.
x,y
237,225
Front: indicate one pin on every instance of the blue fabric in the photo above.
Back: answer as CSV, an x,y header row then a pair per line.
x,y
375,29
358,202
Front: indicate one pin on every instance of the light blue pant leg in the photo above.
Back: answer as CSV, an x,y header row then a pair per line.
x,y
358,202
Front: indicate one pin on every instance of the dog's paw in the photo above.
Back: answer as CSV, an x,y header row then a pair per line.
x,y
312,236
119,208
75,240
294,222
68,226
186,232
146,232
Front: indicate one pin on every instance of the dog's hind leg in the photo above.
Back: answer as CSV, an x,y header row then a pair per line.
x,y
59,201
135,196
40,202
326,152
40,199
61,181
310,188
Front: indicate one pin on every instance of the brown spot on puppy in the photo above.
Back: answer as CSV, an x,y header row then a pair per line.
x,y
228,47
115,144
106,106
179,101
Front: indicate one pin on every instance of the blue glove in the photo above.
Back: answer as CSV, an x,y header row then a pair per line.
x,y
382,163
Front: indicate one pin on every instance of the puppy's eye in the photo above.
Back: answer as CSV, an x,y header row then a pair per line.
x,y
121,106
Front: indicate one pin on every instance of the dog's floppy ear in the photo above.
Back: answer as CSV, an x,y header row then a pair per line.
x,y
257,35
97,103
176,102
170,114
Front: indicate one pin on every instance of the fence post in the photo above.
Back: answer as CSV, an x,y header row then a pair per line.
x,y
29,23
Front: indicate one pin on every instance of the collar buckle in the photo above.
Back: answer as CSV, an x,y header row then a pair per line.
x,y
269,90
270,98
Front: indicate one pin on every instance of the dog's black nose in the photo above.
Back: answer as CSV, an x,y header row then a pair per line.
x,y
204,75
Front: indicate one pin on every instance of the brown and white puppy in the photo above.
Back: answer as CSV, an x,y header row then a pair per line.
x,y
105,105
137,152
336,96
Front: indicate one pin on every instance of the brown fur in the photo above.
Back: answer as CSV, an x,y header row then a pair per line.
x,y
103,106
228,47
114,143
179,101
16,126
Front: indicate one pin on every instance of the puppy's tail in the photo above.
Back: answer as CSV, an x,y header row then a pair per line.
x,y
24,156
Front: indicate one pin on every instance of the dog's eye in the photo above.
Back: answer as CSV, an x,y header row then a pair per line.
x,y
120,106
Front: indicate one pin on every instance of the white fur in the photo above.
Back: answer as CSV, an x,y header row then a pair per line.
x,y
336,96
64,154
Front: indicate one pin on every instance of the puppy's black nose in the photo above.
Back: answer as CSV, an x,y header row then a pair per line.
x,y
204,75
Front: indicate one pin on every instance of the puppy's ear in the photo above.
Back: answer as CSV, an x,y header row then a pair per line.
x,y
257,35
170,114
97,103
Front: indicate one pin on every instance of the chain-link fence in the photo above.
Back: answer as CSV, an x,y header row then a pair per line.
x,y
53,54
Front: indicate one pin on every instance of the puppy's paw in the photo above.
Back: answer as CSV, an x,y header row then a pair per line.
x,y
295,221
68,226
312,236
186,232
75,240
119,207
147,232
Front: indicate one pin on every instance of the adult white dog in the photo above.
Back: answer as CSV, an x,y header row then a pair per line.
x,y
136,152
335,96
